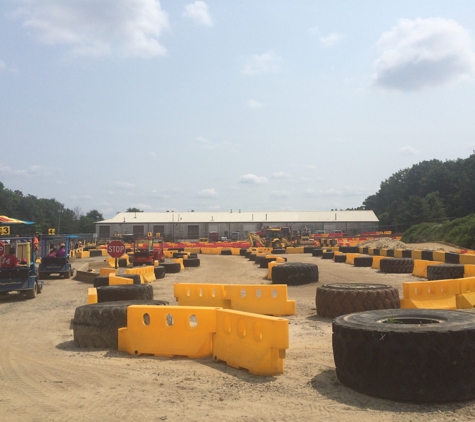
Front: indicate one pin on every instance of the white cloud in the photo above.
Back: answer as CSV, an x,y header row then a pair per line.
x,y
252,179
264,63
280,175
143,206
407,150
423,52
124,185
208,193
198,12
330,40
126,28
254,104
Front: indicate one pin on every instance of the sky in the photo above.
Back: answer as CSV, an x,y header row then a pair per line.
x,y
225,105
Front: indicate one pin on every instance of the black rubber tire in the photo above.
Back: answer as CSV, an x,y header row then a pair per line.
x,y
226,252
264,263
452,258
171,267
159,272
427,255
43,276
349,249
363,261
247,253
445,271
178,254
341,257
31,294
396,265
124,292
428,359
135,277
191,262
259,258
328,255
242,252
278,251
97,325
252,257
294,273
101,280
308,249
337,299
317,251
407,253
122,263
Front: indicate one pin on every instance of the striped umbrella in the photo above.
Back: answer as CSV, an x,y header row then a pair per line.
x,y
6,221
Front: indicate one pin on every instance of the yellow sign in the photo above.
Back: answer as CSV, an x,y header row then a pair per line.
x,y
51,231
157,234
4,230
149,234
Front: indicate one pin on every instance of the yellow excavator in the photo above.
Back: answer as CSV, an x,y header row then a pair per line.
x,y
273,238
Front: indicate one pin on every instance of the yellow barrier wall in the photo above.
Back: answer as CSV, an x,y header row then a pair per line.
x,y
83,254
115,280
168,254
439,294
416,254
179,261
383,252
469,270
91,295
420,267
236,251
438,256
107,271
350,258
254,342
467,259
398,253
193,250
271,265
147,273
111,261
377,261
193,294
297,249
466,297
168,331
211,251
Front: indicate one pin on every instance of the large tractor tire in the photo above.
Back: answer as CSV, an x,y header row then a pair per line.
x,y
363,261
445,271
191,262
328,255
159,272
415,355
124,292
278,251
396,265
337,299
317,251
171,267
294,273
97,325
341,257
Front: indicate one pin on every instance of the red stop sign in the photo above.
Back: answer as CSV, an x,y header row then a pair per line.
x,y
116,249
2,249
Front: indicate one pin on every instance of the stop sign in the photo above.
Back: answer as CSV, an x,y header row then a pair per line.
x,y
116,249
2,249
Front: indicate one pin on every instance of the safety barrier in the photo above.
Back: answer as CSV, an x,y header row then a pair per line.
x,y
112,261
350,258
440,294
293,250
168,331
254,342
420,267
469,270
465,298
235,251
107,271
377,261
202,294
272,265
438,256
168,254
416,254
179,261
147,274
193,250
211,251
115,280
91,295
83,254
467,259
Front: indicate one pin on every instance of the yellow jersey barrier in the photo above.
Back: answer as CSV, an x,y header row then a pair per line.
x,y
420,267
111,261
265,299
398,253
254,342
91,295
296,249
350,258
439,294
179,261
377,261
468,270
271,265
467,259
416,254
438,256
147,273
83,254
168,331
107,271
168,254
466,297
115,280
193,250
236,251
211,251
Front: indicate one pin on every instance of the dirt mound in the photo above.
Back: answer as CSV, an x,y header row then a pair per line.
x,y
384,243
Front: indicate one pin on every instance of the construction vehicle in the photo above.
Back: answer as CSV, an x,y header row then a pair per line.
x,y
147,250
273,237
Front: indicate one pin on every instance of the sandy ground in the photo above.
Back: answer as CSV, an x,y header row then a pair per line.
x,y
44,377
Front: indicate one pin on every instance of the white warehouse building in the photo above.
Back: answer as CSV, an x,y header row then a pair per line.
x,y
194,225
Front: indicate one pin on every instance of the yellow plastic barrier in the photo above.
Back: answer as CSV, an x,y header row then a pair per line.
x,y
168,254
254,342
416,254
420,267
350,258
438,256
236,251
91,295
439,294
193,250
467,259
469,270
466,297
111,261
211,251
265,299
179,261
83,254
168,331
293,250
147,274
383,252
271,265
115,280
377,261
107,271
193,294
398,253
263,249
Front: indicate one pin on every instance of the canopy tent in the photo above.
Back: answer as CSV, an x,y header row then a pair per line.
x,y
6,221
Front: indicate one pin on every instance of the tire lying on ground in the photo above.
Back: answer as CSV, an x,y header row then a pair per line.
x,y
97,325
445,271
159,272
416,355
294,273
328,255
191,262
124,292
226,252
396,265
264,262
171,267
363,261
101,280
277,251
341,257
337,299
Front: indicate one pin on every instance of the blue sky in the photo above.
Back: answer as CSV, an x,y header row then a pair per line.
x,y
219,105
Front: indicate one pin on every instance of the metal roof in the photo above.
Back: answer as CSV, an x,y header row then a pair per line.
x,y
242,217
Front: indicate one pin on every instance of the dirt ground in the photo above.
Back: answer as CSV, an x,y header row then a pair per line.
x,y
44,377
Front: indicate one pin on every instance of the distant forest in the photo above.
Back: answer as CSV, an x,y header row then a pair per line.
x,y
429,192
47,213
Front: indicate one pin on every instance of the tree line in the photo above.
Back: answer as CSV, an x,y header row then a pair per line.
x,y
46,213
430,191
